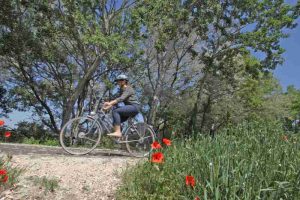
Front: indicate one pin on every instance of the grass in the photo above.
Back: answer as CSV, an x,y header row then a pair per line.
x,y
48,184
249,161
48,142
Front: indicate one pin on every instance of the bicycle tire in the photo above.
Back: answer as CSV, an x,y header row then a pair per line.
x,y
138,144
75,131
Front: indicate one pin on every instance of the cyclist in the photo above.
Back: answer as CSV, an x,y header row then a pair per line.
x,y
130,109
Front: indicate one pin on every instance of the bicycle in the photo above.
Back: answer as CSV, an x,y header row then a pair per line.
x,y
81,135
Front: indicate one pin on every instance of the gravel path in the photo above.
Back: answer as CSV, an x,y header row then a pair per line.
x,y
91,177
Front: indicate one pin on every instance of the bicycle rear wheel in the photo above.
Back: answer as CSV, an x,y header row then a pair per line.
x,y
80,135
139,138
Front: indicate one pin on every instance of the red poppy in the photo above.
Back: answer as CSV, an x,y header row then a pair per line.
x,y
155,145
285,138
5,179
197,198
2,122
157,157
7,134
190,180
3,172
166,141
3,175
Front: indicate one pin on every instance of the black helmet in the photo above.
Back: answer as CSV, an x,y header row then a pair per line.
x,y
121,77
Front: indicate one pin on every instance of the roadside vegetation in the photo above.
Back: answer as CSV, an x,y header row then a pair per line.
x,y
253,160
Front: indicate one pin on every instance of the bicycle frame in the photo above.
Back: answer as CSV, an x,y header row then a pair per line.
x,y
96,116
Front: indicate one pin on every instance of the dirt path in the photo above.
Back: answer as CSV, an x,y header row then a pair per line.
x,y
91,177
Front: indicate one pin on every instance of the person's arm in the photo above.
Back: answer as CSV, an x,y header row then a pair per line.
x,y
113,102
125,94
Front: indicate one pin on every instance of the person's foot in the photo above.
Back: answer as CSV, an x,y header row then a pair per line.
x,y
115,134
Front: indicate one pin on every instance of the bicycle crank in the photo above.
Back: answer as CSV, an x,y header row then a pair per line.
x,y
81,135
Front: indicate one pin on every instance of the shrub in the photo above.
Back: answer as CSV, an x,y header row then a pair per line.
x,y
250,161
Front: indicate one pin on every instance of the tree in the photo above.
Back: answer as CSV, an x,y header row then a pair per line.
x,y
63,48
177,51
294,107
4,102
220,36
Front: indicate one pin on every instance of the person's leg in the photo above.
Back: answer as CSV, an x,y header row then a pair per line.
x,y
121,114
124,119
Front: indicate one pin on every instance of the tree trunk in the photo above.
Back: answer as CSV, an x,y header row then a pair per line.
x,y
205,112
153,110
78,90
192,124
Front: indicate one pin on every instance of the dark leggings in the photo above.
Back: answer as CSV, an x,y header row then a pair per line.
x,y
121,114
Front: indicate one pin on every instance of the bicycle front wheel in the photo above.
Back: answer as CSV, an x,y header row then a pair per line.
x,y
139,138
80,135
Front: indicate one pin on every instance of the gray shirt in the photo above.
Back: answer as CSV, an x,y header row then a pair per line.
x,y
127,95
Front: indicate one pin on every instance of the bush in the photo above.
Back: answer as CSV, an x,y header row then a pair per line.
x,y
248,161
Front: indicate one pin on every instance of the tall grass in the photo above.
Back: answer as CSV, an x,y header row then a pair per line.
x,y
250,161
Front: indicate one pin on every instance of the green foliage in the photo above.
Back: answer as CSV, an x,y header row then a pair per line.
x,y
254,160
255,92
31,133
107,143
51,142
65,49
30,141
5,106
47,142
62,47
294,96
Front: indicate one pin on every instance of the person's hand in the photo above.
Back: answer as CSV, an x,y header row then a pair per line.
x,y
107,106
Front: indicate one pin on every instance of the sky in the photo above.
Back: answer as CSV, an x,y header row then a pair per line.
x,y
287,74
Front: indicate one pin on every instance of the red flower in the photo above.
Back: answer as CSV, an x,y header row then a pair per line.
x,y
190,180
285,138
7,134
2,122
5,179
155,145
197,198
157,157
166,141
3,172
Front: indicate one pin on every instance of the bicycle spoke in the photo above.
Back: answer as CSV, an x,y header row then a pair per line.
x,y
139,143
73,135
90,139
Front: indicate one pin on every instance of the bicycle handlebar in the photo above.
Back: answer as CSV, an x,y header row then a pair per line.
x,y
100,101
